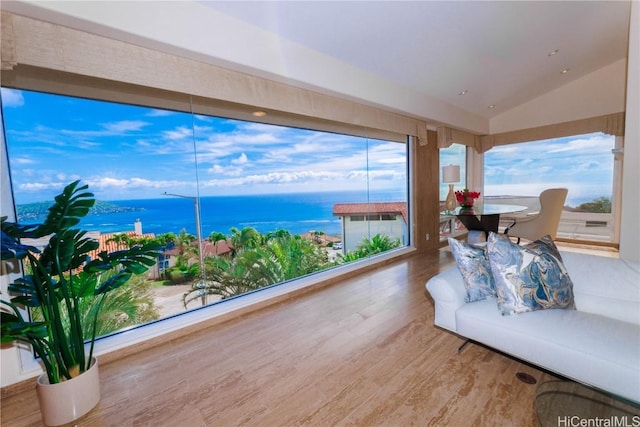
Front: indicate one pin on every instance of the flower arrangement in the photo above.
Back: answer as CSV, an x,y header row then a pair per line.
x,y
467,198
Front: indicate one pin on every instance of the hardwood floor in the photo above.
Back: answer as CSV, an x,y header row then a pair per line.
x,y
360,352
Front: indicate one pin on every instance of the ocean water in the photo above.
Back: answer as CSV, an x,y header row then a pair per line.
x,y
298,213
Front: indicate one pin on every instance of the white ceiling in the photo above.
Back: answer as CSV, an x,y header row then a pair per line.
x,y
498,51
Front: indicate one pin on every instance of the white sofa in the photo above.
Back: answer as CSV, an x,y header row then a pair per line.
x,y
598,344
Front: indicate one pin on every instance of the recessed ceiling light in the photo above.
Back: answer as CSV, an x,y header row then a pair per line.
x,y
491,107
565,71
259,113
553,52
464,92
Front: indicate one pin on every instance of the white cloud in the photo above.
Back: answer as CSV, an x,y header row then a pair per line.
x,y
179,133
216,169
63,177
275,178
37,186
393,160
22,161
125,126
12,98
159,113
226,171
357,175
242,160
105,183
594,144
203,118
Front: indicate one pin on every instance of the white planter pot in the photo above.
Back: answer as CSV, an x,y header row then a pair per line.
x,y
67,401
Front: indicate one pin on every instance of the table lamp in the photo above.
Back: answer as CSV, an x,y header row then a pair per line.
x,y
450,174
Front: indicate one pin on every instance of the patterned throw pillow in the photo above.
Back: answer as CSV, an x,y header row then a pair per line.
x,y
473,265
528,278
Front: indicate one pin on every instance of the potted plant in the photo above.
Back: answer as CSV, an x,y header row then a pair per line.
x,y
56,280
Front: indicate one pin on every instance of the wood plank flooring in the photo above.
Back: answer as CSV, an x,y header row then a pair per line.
x,y
361,352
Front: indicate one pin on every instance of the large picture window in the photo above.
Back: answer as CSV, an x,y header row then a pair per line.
x,y
584,164
218,193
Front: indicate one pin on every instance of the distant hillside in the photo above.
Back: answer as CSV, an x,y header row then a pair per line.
x,y
33,211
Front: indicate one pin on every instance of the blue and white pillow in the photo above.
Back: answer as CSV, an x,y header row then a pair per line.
x,y
528,278
473,265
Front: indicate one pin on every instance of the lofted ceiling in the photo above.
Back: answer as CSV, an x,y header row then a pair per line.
x,y
462,62
498,53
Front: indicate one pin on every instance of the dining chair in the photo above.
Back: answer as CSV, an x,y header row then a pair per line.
x,y
545,222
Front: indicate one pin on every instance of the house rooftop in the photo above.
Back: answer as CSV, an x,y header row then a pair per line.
x,y
107,242
221,247
342,209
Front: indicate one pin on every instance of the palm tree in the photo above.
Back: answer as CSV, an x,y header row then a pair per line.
x,y
377,244
296,256
183,242
280,257
277,233
216,237
166,239
248,237
121,239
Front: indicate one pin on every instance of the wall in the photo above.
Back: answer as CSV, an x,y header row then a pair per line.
x,y
425,162
355,231
596,94
630,226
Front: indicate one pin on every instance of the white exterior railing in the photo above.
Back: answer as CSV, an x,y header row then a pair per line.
x,y
596,227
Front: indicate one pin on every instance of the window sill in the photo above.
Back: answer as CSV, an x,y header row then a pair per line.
x,y
163,331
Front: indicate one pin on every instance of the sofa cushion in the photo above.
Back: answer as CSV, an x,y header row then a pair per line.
x,y
474,267
529,278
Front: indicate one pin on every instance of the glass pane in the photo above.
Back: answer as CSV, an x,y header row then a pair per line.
x,y
456,154
516,174
276,183
271,203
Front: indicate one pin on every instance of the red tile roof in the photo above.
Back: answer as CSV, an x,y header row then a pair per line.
x,y
323,239
110,246
221,247
343,209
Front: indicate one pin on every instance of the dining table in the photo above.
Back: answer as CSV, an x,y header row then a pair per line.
x,y
483,218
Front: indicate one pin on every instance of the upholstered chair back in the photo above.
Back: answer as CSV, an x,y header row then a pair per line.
x,y
544,222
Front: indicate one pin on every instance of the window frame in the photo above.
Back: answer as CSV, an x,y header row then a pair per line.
x,y
202,317
478,161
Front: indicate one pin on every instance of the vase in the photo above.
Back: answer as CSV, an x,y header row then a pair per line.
x,y
69,400
467,202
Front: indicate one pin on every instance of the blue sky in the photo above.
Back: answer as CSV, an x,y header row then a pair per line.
x,y
127,152
583,164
